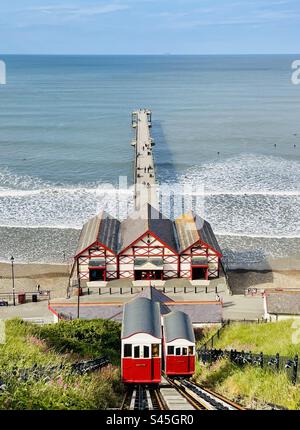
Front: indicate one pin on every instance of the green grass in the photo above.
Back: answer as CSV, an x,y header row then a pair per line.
x,y
252,386
51,345
269,338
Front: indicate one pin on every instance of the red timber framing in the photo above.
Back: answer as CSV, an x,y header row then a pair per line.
x,y
201,249
96,250
146,246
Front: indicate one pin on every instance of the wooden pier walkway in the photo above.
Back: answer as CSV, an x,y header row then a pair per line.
x,y
144,170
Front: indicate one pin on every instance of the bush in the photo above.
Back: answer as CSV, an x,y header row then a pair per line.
x,y
39,349
90,339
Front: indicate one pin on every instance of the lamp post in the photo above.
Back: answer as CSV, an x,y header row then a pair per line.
x,y
78,301
13,279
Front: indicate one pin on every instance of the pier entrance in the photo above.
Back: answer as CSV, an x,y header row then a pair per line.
x,y
200,272
97,275
148,275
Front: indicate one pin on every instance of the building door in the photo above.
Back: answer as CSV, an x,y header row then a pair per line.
x,y
148,275
97,275
199,273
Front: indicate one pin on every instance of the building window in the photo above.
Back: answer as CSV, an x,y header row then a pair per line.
x,y
170,350
127,350
155,350
136,352
146,351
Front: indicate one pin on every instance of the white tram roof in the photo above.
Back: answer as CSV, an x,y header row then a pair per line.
x,y
178,325
141,315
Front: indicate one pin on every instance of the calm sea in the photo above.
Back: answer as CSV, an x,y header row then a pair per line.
x,y
228,125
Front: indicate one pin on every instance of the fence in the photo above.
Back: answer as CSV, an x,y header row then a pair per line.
x,y
47,372
211,341
242,358
22,297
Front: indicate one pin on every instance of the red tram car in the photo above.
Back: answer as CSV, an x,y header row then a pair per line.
x,y
141,342
179,344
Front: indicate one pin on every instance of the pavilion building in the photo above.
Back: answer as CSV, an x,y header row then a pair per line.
x,y
146,246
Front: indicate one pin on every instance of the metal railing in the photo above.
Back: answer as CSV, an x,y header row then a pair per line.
x,y
264,361
37,372
211,341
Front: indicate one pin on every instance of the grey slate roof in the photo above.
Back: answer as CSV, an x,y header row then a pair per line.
x,y
109,232
285,303
147,218
206,233
200,313
141,315
88,233
177,325
177,235
102,228
191,228
113,312
157,296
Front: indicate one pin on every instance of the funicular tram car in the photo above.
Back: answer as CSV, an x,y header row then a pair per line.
x,y
141,342
179,344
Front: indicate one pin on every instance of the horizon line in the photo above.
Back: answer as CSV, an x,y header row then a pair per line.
x,y
147,55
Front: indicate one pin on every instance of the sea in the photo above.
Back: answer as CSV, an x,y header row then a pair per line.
x,y
225,127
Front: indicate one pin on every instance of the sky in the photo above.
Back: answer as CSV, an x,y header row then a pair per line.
x,y
149,26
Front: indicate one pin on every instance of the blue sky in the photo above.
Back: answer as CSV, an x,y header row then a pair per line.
x,y
149,26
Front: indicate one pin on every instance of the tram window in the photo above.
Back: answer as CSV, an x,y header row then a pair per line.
x,y
177,351
155,350
146,351
127,350
191,350
170,350
184,351
136,352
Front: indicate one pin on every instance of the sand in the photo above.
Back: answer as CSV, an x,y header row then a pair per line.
x,y
53,277
263,279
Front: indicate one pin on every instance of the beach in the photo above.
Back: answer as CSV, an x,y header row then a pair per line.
x,y
55,278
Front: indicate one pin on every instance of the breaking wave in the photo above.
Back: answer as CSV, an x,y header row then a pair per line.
x,y
250,195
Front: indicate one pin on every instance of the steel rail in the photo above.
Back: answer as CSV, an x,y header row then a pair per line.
x,y
221,397
212,400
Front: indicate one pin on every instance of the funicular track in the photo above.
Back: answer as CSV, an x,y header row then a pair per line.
x,y
143,397
202,398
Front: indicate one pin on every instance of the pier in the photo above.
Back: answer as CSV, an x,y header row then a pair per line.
x,y
147,246
145,185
